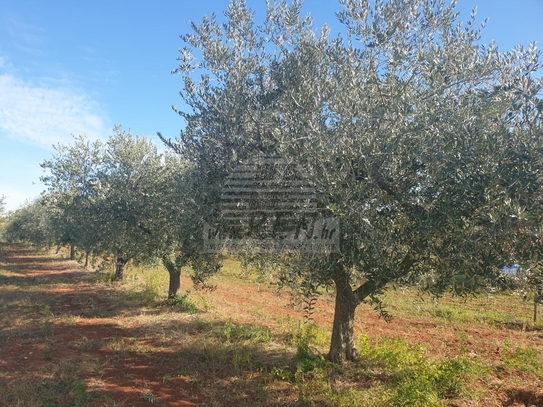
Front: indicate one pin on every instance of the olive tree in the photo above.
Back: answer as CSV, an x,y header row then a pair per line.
x,y
149,208
130,169
100,194
173,220
72,186
424,144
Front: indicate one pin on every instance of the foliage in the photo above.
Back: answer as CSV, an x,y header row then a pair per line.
x,y
2,213
73,186
423,143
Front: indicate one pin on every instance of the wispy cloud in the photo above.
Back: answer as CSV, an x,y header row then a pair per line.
x,y
43,114
25,36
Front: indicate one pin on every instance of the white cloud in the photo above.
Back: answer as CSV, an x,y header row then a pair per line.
x,y
43,114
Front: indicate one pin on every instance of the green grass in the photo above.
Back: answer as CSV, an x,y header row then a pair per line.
x,y
499,310
240,333
409,377
522,360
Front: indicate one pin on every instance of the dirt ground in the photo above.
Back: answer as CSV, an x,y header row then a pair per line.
x,y
69,325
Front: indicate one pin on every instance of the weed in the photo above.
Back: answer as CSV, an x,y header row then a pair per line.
x,y
201,325
525,360
151,288
103,277
412,378
149,397
47,354
46,312
307,361
233,332
262,392
242,358
183,303
85,344
60,390
443,312
69,319
197,382
48,318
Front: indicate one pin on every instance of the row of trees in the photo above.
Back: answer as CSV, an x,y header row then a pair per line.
x,y
426,145
122,199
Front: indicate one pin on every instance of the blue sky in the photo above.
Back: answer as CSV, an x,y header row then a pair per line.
x,y
81,67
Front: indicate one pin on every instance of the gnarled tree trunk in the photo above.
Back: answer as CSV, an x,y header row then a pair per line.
x,y
119,268
175,279
342,346
174,270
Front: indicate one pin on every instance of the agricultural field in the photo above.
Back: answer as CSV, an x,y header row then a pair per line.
x,y
71,337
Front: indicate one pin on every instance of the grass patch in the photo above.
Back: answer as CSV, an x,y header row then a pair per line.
x,y
522,359
408,377
497,310
64,387
242,333
182,303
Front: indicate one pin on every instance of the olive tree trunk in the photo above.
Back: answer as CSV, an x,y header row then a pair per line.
x,y
119,268
538,296
87,254
342,346
175,280
174,270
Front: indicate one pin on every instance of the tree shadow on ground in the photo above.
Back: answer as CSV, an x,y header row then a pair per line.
x,y
529,398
